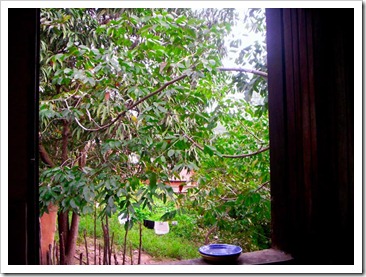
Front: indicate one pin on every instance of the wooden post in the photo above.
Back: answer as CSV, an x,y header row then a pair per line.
x,y
86,248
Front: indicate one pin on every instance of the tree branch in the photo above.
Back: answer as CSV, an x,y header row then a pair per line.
x,y
63,99
45,129
130,107
253,71
250,132
193,142
228,156
210,231
227,199
246,155
44,156
83,154
65,140
90,118
158,90
261,186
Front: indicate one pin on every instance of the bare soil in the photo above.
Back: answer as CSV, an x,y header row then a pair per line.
x,y
80,248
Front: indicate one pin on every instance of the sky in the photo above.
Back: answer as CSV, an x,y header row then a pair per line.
x,y
239,31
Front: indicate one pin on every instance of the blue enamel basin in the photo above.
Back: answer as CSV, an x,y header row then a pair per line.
x,y
220,252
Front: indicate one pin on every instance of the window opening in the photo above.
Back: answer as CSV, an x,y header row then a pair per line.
x,y
152,115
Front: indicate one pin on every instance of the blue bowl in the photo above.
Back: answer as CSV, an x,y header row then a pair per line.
x,y
220,252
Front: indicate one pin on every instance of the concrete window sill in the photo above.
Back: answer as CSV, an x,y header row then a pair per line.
x,y
262,257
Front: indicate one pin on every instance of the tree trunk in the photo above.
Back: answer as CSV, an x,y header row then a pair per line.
x,y
68,236
125,240
140,243
95,234
72,237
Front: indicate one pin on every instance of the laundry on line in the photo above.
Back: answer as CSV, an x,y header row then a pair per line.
x,y
149,224
122,218
161,228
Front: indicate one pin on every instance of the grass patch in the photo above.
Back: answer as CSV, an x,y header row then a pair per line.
x,y
174,245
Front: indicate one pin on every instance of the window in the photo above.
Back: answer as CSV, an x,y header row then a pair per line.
x,y
310,61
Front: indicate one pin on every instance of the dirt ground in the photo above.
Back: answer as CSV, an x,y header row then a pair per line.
x,y
145,258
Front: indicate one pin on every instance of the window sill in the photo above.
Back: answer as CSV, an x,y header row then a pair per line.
x,y
262,257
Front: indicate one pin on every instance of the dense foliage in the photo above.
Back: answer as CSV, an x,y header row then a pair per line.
x,y
93,87
130,97
232,200
232,197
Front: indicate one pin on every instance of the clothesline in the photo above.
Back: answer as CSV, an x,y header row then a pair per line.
x,y
160,227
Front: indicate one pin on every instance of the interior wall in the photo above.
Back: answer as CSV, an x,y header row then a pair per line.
x,y
23,227
310,68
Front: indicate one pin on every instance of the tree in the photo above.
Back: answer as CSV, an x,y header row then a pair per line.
x,y
232,198
126,101
107,95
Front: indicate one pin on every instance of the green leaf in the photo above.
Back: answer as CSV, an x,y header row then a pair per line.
x,y
163,160
162,109
70,43
128,225
208,149
73,204
181,19
87,210
111,201
171,153
168,215
153,179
